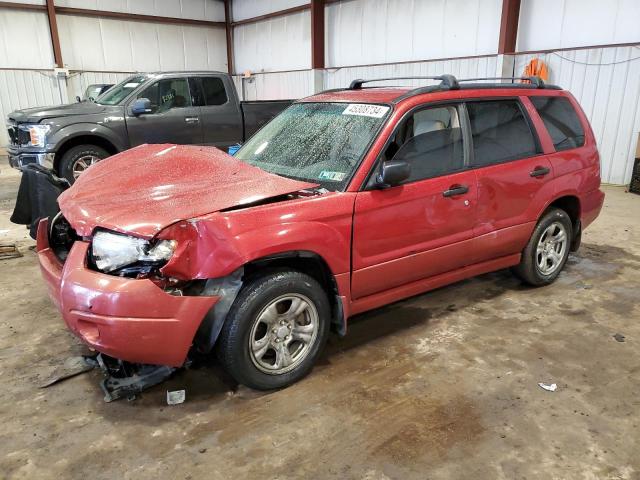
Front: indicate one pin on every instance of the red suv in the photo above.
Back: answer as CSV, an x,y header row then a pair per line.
x,y
348,200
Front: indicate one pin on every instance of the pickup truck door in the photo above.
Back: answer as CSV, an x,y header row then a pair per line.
x,y
172,119
219,110
423,227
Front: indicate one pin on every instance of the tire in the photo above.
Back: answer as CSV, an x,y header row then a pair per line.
x,y
545,254
262,325
72,162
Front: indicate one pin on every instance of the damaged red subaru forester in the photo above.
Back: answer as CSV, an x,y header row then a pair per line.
x,y
347,201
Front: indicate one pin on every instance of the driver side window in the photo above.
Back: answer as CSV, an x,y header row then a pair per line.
x,y
430,141
167,94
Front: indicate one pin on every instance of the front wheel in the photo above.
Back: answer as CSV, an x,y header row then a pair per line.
x,y
77,159
546,253
275,330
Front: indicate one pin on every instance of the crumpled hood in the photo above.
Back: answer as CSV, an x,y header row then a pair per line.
x,y
145,189
34,115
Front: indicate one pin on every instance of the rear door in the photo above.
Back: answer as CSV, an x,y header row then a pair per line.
x,y
423,227
173,118
513,175
219,111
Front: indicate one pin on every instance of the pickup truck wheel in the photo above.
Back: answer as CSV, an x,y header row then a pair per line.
x,y
275,330
546,253
77,159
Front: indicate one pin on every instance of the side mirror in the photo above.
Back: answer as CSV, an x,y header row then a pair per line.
x,y
140,106
78,99
393,173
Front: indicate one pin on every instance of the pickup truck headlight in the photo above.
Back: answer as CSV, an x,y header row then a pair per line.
x,y
38,135
112,251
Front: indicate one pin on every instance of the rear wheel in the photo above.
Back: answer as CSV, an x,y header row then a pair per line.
x,y
546,253
77,159
275,330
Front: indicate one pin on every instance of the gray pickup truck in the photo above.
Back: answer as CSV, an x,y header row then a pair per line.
x,y
171,107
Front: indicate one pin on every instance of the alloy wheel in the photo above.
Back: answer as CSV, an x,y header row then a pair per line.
x,y
283,334
551,248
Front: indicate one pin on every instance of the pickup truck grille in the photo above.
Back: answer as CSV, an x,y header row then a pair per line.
x,y
18,136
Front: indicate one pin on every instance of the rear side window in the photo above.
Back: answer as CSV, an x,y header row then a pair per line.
x,y
208,91
214,92
561,121
500,132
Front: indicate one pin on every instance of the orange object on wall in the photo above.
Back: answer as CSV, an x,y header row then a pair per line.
x,y
536,68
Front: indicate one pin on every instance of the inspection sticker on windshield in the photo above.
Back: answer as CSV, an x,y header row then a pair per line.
x,y
335,176
365,110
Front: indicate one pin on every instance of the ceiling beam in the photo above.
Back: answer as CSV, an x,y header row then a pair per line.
x,y
317,34
267,16
509,26
86,12
23,6
55,38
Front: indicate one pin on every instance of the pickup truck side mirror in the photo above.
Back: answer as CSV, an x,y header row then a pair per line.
x,y
140,106
393,173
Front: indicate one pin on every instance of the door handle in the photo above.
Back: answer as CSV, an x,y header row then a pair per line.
x,y
539,172
455,190
191,119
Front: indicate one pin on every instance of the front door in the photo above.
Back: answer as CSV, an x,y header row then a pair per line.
x,y
423,227
172,119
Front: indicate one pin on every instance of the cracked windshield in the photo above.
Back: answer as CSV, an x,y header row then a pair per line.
x,y
317,142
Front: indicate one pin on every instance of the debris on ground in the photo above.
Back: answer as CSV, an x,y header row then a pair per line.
x,y
72,366
548,387
619,337
176,397
126,380
9,251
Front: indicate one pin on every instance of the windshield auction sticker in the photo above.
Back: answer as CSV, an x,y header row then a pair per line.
x,y
366,110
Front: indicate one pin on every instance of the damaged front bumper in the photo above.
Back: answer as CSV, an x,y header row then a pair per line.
x,y
128,319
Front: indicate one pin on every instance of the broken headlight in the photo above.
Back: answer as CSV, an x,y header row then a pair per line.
x,y
111,251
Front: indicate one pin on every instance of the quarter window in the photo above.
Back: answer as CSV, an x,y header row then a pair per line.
x,y
214,92
561,121
167,94
430,141
500,132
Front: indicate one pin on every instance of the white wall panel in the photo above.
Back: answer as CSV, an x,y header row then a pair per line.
x,y
461,68
243,9
386,31
549,24
78,82
212,10
275,86
23,89
282,43
115,45
606,83
33,50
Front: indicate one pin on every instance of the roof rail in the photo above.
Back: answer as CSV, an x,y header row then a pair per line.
x,y
448,82
537,81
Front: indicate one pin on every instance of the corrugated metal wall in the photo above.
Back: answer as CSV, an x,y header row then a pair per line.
x,y
100,50
606,82
397,35
387,31
102,44
549,24
281,43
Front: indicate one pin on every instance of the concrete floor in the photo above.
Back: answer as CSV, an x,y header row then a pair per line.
x,y
441,386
